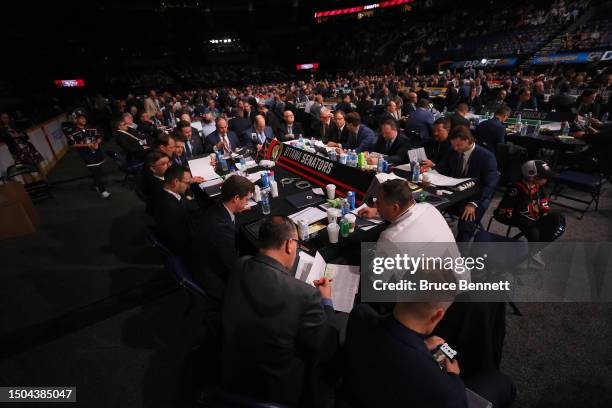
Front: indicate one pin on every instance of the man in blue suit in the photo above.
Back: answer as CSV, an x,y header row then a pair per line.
x,y
222,138
389,362
258,134
492,132
360,137
468,160
421,120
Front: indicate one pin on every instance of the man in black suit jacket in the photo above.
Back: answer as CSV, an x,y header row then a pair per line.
x,y
289,129
561,101
469,160
220,221
345,104
153,172
391,113
222,138
392,144
238,124
458,118
339,133
132,142
271,119
171,212
276,328
393,355
322,128
193,142
492,132
439,147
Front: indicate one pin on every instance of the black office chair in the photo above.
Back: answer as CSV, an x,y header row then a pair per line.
x,y
129,169
587,182
37,190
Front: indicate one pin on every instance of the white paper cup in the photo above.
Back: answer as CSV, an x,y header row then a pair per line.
x,y
331,191
352,220
426,179
333,231
332,215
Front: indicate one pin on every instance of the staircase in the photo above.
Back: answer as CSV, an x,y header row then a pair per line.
x,y
557,40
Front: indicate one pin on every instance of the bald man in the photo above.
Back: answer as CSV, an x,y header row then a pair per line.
x,y
258,134
222,138
409,104
289,129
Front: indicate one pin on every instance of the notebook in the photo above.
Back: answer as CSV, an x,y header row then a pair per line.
x,y
305,199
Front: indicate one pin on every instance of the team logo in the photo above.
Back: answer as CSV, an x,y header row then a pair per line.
x,y
277,150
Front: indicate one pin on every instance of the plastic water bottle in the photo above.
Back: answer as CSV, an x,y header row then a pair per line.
x,y
416,171
524,129
265,180
350,197
604,118
345,207
565,128
224,166
536,130
301,141
380,166
265,203
361,161
303,231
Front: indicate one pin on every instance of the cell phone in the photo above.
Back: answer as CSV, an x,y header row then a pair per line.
x,y
443,351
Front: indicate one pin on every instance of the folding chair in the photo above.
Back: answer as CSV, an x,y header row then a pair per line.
x,y
124,166
37,190
578,180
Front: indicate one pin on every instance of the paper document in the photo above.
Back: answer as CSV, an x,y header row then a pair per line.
x,y
376,220
251,203
209,183
249,164
202,168
405,167
344,286
440,180
417,155
310,214
382,177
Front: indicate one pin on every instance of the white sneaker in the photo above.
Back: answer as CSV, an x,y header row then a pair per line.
x,y
105,194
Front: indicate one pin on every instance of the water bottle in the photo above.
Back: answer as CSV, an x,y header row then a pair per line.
x,y
416,171
242,164
265,180
265,203
350,197
223,163
353,158
604,118
536,130
524,129
345,207
565,129
301,141
380,166
361,161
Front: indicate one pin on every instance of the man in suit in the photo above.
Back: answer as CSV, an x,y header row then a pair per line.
x,y
561,101
155,167
147,127
421,120
458,117
439,147
276,328
151,104
222,138
220,221
133,143
339,133
270,117
524,100
345,104
192,142
394,352
322,128
208,125
361,138
259,134
179,155
392,144
239,123
409,105
391,113
172,213
492,132
452,97
289,129
468,160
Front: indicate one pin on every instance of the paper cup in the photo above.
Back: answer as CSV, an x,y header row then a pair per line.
x,y
332,215
331,191
426,180
351,220
333,231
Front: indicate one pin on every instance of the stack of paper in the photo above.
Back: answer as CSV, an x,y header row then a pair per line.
x,y
345,279
417,155
202,168
310,214
441,180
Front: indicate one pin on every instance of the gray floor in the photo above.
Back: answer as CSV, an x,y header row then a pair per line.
x,y
84,302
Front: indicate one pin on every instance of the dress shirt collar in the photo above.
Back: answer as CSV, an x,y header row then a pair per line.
x,y
158,177
172,193
231,214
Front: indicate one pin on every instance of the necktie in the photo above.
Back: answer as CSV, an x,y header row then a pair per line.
x,y
226,144
460,165
388,146
325,129
289,130
188,149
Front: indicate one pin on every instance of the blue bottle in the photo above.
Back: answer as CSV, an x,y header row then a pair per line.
x,y
265,180
350,197
416,171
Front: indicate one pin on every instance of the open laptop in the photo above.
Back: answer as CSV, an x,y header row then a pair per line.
x,y
305,199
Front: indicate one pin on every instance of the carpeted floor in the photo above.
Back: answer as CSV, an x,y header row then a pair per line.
x,y
84,302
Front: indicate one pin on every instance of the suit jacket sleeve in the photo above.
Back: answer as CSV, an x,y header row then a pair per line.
x,y
128,145
399,156
315,333
223,240
488,180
